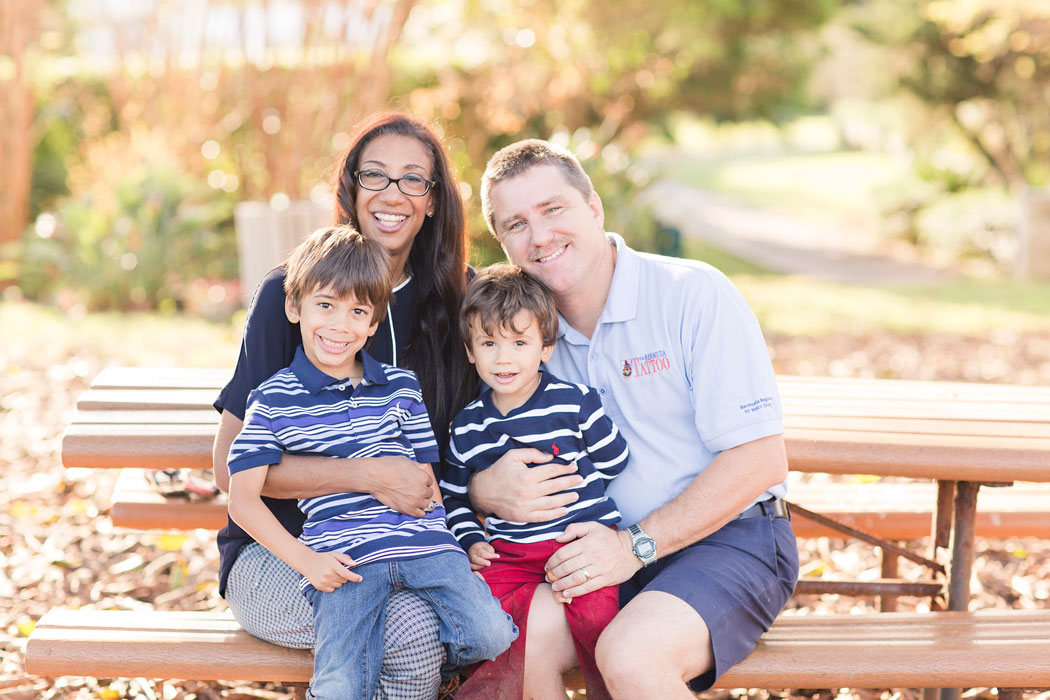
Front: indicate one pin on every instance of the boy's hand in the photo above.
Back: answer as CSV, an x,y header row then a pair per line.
x,y
328,571
481,555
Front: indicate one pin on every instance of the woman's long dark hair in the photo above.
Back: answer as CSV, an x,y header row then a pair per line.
x,y
438,261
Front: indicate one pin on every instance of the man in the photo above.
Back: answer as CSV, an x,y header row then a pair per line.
x,y
709,557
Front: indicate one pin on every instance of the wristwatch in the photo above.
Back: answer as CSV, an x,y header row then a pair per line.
x,y
643,546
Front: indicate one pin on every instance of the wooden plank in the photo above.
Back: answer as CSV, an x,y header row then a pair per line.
x,y
895,511
879,650
962,457
212,378
146,446
208,417
922,425
907,388
145,399
136,504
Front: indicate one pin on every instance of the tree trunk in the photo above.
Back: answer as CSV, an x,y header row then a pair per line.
x,y
18,26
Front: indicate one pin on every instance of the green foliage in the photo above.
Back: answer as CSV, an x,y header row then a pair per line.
x,y
977,67
138,241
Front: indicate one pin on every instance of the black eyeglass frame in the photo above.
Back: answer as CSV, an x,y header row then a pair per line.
x,y
396,181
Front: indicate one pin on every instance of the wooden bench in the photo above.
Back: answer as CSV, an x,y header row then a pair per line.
x,y
894,511
1004,649
961,435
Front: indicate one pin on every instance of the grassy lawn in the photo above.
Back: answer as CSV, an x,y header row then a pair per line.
x,y
801,306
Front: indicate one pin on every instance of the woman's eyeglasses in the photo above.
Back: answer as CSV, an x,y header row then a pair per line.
x,y
413,185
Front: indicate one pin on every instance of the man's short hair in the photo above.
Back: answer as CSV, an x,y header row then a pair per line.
x,y
515,159
341,258
496,295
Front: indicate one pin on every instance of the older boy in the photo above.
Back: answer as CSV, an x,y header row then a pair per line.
x,y
336,400
508,322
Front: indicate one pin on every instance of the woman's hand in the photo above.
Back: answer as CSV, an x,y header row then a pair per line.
x,y
512,490
400,484
328,571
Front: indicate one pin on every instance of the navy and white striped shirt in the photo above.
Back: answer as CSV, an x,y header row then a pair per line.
x,y
302,410
560,418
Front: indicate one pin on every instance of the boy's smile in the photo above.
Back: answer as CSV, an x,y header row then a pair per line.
x,y
333,330
508,360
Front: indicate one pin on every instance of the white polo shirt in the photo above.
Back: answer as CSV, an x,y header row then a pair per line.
x,y
680,364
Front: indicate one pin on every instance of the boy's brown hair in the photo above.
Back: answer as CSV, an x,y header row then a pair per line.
x,y
340,257
496,295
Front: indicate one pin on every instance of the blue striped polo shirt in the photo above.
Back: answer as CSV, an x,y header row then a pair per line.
x,y
302,410
562,419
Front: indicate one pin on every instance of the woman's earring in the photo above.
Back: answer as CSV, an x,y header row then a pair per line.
x,y
430,214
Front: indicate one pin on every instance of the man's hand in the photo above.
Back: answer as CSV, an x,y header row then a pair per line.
x,y
328,571
481,555
595,556
512,490
400,484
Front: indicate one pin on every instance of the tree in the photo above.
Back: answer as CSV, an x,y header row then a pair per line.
x,y
982,67
20,26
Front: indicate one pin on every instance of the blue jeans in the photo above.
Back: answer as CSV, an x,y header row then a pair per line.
x,y
348,623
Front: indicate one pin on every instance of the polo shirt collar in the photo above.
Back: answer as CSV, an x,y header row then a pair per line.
x,y
314,380
622,302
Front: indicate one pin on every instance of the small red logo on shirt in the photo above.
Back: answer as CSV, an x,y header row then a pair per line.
x,y
554,448
650,363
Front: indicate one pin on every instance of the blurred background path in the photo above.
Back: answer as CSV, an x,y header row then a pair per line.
x,y
783,243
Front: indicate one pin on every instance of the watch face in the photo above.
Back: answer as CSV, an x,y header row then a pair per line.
x,y
644,548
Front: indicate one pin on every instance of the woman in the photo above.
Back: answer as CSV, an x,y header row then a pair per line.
x,y
396,185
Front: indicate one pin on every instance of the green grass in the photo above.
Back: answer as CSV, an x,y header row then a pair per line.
x,y
799,306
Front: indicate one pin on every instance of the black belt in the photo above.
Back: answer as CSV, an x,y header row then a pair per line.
x,y
777,506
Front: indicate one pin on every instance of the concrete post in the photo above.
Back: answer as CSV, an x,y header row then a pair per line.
x,y
265,236
1033,249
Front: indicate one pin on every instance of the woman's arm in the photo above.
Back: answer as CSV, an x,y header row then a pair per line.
x,y
396,482
325,570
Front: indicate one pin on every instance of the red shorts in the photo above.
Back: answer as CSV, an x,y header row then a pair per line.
x,y
513,579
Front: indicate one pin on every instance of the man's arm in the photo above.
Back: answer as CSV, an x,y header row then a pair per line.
x,y
396,482
733,479
512,490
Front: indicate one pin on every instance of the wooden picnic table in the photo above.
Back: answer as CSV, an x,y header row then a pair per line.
x,y
960,435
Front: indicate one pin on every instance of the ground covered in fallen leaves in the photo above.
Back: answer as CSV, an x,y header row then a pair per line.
x,y
58,548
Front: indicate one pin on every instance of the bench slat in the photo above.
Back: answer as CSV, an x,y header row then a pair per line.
x,y
880,650
214,378
211,378
964,457
895,511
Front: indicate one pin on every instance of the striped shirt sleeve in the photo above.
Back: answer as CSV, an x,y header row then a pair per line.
x,y
605,444
455,479
257,444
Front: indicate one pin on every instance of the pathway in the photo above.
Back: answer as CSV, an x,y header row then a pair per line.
x,y
782,243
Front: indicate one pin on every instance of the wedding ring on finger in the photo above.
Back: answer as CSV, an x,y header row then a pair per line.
x,y
432,506
586,576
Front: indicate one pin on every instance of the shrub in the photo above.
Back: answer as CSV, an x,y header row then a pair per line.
x,y
136,240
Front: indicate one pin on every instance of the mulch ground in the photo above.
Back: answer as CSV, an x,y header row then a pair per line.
x,y
57,546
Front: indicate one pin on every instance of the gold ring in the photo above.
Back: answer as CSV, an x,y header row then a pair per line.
x,y
431,507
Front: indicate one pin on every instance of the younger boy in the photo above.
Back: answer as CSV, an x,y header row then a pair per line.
x,y
336,400
509,324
